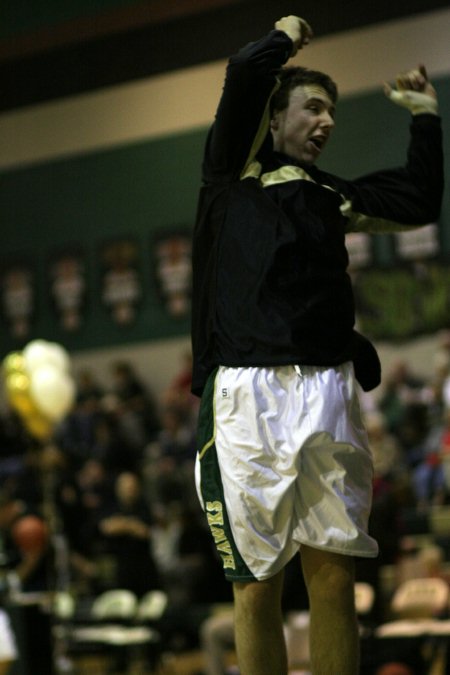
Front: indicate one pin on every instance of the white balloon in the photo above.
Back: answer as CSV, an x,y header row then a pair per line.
x,y
58,356
34,354
53,391
40,352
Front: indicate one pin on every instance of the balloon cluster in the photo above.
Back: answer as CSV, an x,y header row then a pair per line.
x,y
39,386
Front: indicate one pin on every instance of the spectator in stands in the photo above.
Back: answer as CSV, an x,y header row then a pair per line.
x,y
26,544
75,435
135,404
89,391
188,565
169,460
125,527
386,452
402,404
81,497
178,394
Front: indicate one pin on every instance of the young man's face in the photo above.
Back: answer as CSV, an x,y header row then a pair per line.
x,y
302,129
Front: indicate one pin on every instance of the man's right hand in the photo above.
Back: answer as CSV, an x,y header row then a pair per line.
x,y
297,29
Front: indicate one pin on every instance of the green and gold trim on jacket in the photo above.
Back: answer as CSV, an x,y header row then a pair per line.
x,y
356,222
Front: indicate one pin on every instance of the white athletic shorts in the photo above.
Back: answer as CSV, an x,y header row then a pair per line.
x,y
283,460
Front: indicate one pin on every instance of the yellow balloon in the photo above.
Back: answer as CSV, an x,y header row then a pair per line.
x,y
18,393
38,426
14,363
17,383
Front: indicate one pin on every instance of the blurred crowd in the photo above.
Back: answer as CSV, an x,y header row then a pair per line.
x,y
117,481
117,484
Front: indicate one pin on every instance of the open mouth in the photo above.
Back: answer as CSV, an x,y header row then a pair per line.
x,y
318,142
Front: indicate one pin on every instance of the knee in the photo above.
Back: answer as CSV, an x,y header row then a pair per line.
x,y
255,593
332,584
257,596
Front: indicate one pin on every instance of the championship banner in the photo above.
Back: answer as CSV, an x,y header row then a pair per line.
x,y
409,297
398,304
121,284
171,252
18,296
68,287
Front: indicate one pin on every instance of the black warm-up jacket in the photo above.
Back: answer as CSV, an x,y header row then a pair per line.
x,y
269,259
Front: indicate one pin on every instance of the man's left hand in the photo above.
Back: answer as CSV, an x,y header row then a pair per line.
x,y
414,92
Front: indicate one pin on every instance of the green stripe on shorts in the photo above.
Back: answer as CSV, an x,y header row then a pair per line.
x,y
212,490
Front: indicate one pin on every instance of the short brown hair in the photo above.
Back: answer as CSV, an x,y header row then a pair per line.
x,y
296,76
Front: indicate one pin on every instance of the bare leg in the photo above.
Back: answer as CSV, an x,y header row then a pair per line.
x,y
334,640
5,667
259,634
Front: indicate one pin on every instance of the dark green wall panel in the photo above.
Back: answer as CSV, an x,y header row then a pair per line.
x,y
136,188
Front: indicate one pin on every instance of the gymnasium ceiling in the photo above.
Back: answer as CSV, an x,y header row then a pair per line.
x,y
47,53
